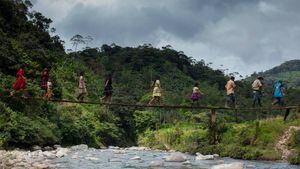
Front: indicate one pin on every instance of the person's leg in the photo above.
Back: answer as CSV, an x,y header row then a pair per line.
x,y
281,101
233,101
151,101
254,99
23,93
159,100
259,100
12,93
227,99
110,98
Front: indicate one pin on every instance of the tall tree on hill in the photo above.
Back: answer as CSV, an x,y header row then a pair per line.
x,y
76,40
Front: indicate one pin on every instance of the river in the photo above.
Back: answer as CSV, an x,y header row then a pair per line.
x,y
81,157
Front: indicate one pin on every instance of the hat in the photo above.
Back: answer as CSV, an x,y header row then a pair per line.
x,y
260,77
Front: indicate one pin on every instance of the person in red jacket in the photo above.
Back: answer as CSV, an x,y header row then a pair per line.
x,y
20,83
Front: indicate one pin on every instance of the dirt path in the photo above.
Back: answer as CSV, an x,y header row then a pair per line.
x,y
281,146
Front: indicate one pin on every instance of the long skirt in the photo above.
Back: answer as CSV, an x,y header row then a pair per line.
x,y
19,84
195,96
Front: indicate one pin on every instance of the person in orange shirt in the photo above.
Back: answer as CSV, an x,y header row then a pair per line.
x,y
230,88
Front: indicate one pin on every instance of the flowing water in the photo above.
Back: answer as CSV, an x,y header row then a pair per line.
x,y
113,158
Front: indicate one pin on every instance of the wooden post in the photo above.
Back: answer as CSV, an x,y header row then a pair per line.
x,y
286,113
236,115
213,116
213,119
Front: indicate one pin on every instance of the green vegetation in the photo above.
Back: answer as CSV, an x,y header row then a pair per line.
x,y
27,39
289,72
250,140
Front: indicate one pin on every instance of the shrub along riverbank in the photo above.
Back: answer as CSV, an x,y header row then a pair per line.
x,y
255,140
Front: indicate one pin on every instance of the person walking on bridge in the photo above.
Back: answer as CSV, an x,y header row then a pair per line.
x,y
156,95
82,87
278,93
230,89
196,94
108,89
257,91
20,83
44,80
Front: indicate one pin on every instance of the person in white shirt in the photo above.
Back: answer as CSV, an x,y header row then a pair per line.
x,y
257,91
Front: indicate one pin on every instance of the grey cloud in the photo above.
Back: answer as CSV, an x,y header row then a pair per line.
x,y
258,33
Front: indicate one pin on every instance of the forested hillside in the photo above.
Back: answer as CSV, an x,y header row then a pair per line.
x,y
288,71
26,40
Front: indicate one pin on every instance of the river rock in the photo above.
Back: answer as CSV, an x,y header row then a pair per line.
x,y
114,147
80,147
56,146
39,166
138,148
236,165
135,158
47,148
216,156
92,158
186,163
204,157
250,166
36,147
61,152
119,151
49,155
156,164
176,157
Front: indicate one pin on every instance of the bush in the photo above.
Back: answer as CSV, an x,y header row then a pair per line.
x,y
18,130
144,120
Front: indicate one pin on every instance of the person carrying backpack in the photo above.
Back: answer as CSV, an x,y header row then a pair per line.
x,y
278,93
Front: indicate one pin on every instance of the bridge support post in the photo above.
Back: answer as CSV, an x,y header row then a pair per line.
x,y
213,120
286,114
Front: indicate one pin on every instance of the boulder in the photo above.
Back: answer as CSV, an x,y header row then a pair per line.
x,y
62,152
156,164
135,158
236,165
204,157
47,148
49,155
36,147
186,163
80,147
56,146
176,157
114,147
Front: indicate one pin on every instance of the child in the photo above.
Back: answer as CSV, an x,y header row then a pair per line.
x,y
196,94
82,87
48,94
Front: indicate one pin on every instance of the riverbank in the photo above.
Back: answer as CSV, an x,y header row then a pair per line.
x,y
80,156
270,139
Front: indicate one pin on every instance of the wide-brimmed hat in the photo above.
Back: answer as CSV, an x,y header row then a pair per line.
x,y
260,77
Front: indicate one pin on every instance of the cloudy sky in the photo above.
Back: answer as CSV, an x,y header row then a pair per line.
x,y
241,35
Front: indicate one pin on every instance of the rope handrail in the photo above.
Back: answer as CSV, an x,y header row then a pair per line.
x,y
156,106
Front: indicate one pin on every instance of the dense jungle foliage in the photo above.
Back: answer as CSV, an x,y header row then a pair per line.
x,y
26,38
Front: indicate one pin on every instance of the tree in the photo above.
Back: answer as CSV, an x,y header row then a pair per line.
x,y
76,40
